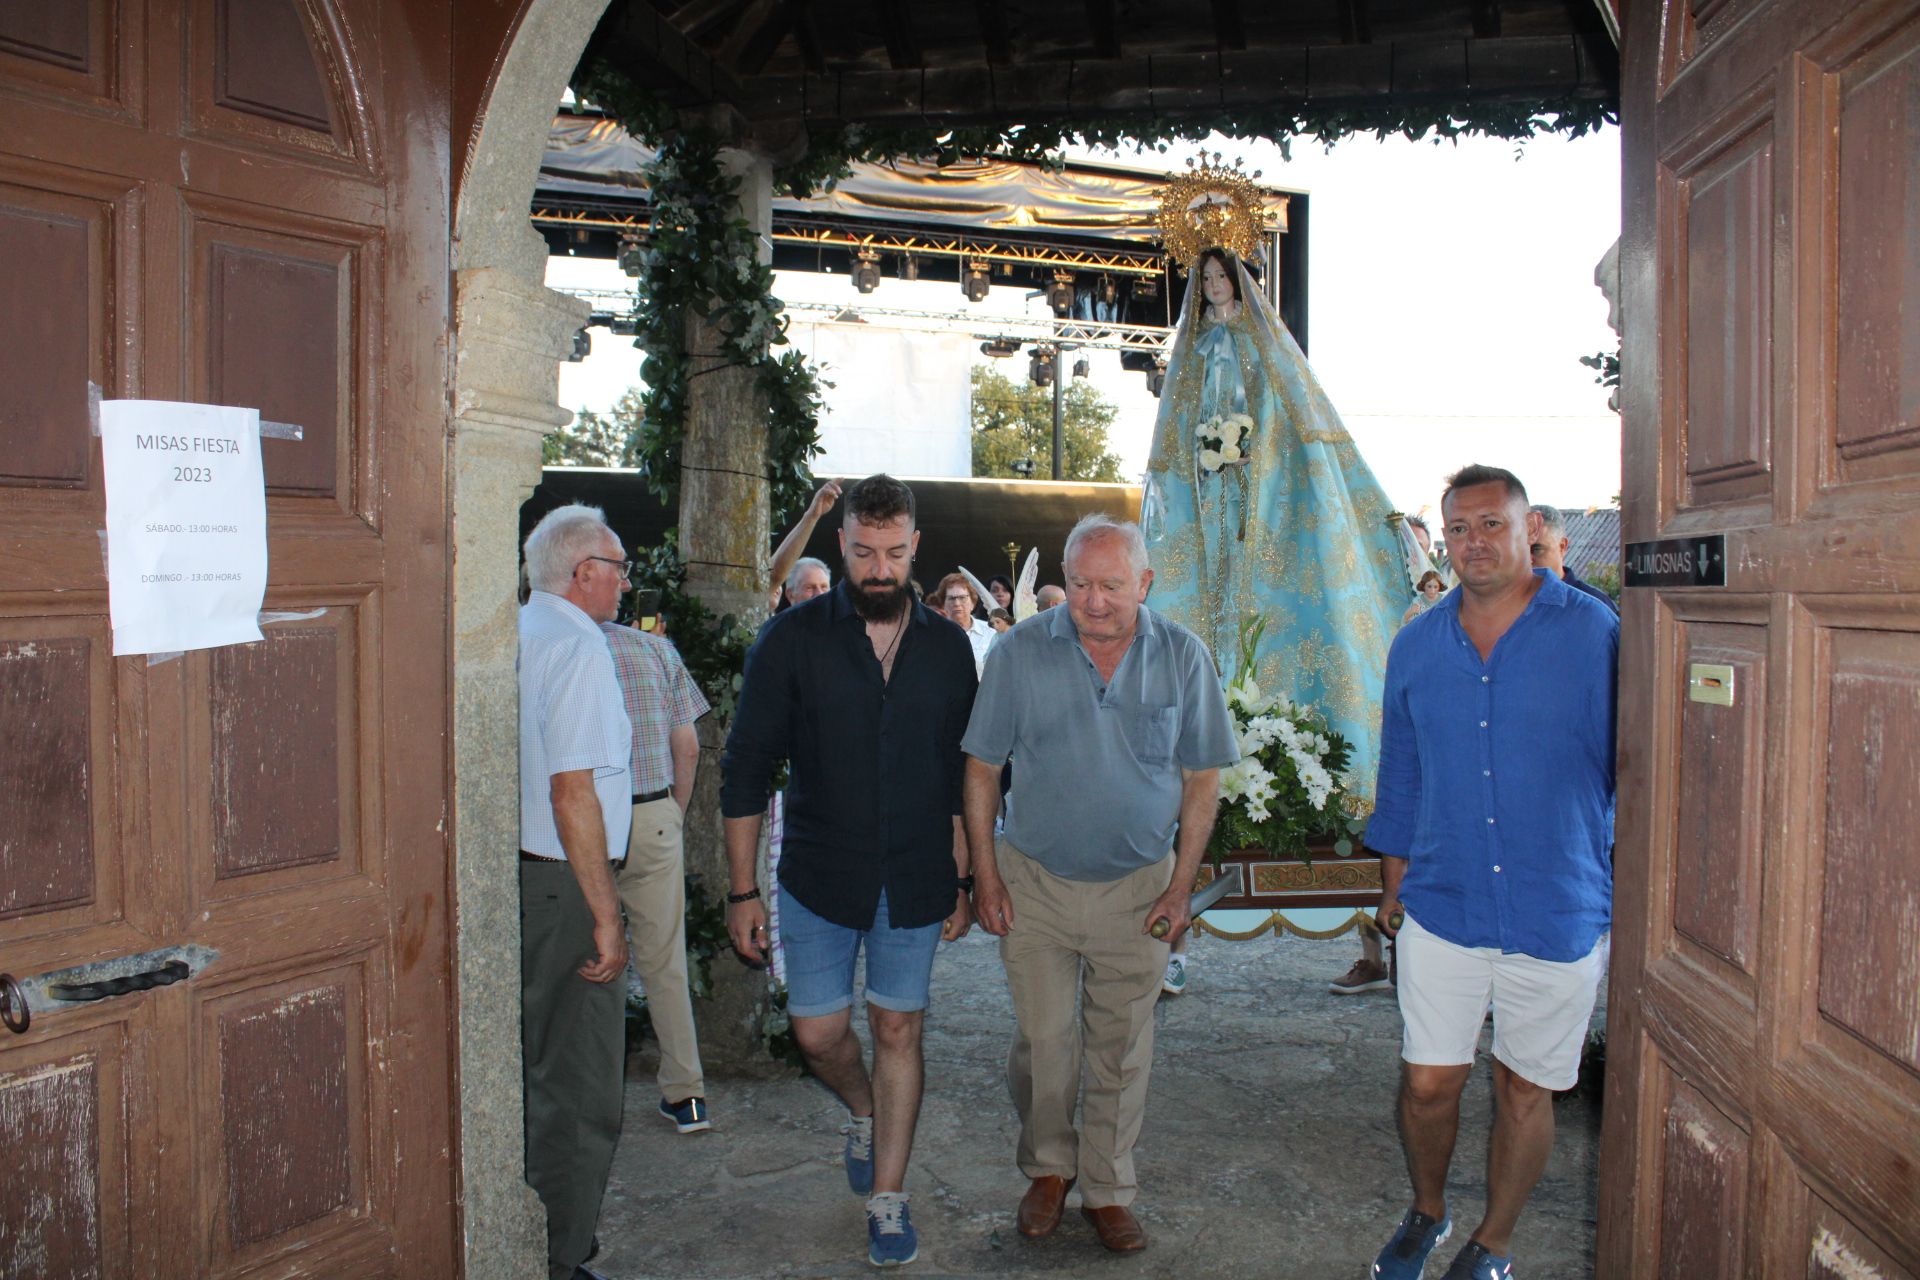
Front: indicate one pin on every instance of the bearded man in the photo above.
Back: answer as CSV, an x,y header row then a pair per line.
x,y
865,692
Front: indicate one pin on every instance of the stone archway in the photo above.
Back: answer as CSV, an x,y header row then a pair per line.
x,y
509,333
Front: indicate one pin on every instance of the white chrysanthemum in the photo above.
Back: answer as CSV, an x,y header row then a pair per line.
x,y
1230,432
1210,459
1230,452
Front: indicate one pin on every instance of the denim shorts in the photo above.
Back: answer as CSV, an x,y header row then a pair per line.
x,y
820,957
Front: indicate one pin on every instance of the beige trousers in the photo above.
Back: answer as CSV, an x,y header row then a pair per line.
x,y
1077,942
653,891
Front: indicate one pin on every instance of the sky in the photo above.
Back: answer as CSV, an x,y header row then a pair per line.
x,y
1452,296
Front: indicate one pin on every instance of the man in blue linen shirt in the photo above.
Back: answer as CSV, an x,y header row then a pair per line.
x,y
1495,829
1121,729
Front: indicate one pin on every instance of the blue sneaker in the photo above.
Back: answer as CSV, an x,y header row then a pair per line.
x,y
690,1116
859,1156
1405,1257
1475,1263
891,1239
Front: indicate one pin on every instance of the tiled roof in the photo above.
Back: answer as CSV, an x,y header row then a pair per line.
x,y
1593,537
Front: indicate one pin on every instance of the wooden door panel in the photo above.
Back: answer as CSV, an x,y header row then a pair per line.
x,y
1839,1250
284,1088
284,752
1869,890
284,305
58,230
67,859
1703,1190
1877,96
263,73
1717,848
72,52
66,1190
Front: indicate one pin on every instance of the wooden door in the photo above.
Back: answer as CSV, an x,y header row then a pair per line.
x,y
238,202
1763,1090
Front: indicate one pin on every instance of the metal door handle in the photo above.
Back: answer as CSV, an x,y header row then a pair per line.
x,y
15,1012
165,976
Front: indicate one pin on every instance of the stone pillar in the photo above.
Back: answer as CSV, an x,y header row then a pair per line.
x,y
510,333
724,539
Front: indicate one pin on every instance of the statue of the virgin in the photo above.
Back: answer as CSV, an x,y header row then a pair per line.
x,y
1258,504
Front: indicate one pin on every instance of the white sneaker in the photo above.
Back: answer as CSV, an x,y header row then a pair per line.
x,y
1174,981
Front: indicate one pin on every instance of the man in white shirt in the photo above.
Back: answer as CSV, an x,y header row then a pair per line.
x,y
576,798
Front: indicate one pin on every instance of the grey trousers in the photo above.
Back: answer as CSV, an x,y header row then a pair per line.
x,y
574,1039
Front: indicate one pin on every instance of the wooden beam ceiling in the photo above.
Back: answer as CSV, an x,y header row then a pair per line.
x,y
1103,24
757,34
1228,29
1354,27
895,28
995,32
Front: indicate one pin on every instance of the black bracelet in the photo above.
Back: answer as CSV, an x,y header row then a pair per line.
x,y
964,884
748,896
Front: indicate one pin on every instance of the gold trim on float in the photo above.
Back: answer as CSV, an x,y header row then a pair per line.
x,y
1279,924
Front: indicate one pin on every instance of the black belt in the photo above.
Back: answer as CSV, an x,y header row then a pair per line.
x,y
651,796
618,864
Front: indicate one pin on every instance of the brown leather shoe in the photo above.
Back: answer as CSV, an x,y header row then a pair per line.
x,y
1117,1228
1040,1207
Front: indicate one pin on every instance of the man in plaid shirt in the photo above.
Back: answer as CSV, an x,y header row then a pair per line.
x,y
662,702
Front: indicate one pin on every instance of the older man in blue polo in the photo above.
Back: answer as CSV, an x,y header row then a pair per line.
x,y
1495,828
1117,718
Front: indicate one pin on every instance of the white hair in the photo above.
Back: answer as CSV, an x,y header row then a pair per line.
x,y
800,566
1551,520
1101,525
564,537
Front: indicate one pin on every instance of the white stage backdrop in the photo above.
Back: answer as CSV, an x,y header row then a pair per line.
x,y
899,403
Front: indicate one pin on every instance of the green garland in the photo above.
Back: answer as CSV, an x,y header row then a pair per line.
x,y
703,258
833,148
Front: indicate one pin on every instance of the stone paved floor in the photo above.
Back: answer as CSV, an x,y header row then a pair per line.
x,y
1269,1148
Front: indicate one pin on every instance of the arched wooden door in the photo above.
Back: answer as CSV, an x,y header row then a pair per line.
x,y
238,202
1763,1092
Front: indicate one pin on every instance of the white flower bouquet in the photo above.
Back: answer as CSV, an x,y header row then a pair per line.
x,y
1290,783
1224,440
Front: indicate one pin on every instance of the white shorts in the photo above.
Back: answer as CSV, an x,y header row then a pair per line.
x,y
1541,1008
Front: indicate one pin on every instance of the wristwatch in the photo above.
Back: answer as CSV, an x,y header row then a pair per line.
x,y
965,884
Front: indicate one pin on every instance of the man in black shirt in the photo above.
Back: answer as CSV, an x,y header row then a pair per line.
x,y
865,692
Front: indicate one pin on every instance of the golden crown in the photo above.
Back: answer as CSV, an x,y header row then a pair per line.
x,y
1213,204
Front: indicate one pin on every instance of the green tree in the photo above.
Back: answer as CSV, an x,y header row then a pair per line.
x,y
1014,421
594,440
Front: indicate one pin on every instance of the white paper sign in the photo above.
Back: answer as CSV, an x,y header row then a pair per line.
x,y
186,524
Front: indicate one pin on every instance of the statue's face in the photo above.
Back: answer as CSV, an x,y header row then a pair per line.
x,y
1216,284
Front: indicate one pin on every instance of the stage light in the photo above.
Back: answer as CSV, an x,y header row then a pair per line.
x,y
1082,367
1060,294
1000,348
1146,287
909,267
582,346
975,281
633,256
866,271
1109,291
1157,377
626,326
1040,366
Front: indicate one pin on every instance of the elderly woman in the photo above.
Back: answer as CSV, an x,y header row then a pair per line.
x,y
956,599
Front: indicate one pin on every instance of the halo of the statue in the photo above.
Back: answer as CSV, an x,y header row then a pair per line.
x,y
1212,205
